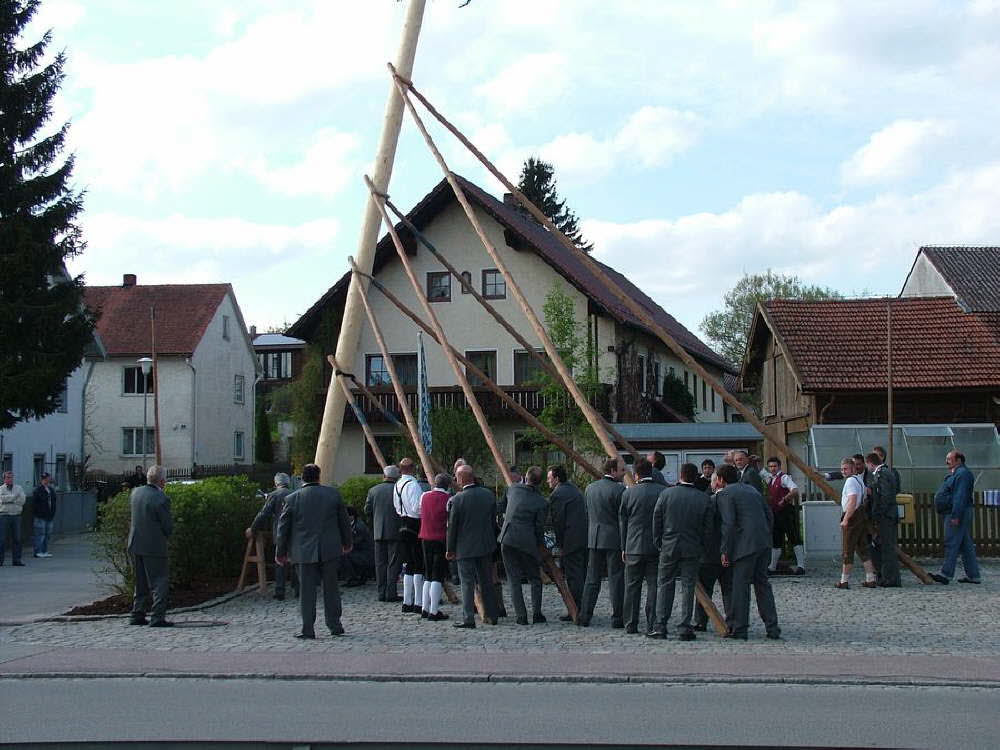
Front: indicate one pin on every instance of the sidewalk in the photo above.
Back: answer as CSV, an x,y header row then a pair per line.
x,y
50,586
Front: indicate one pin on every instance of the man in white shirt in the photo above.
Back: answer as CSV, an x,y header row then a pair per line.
x,y
854,526
11,505
782,494
406,500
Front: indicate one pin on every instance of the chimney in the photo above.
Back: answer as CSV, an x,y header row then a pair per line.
x,y
128,279
253,333
510,200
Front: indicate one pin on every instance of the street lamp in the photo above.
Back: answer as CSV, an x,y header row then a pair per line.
x,y
145,364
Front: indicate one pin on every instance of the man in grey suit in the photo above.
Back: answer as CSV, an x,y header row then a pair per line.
x,y
271,512
385,530
313,532
521,540
150,527
747,473
604,543
568,516
710,570
472,538
745,548
638,551
682,522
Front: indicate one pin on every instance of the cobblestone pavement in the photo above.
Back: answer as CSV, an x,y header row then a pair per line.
x,y
958,619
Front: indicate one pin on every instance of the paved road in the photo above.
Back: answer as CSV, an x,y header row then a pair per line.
x,y
52,585
304,711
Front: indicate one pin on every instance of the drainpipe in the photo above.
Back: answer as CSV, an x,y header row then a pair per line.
x,y
83,411
194,412
253,421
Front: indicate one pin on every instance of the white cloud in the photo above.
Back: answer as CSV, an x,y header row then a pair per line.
x,y
513,89
326,167
896,151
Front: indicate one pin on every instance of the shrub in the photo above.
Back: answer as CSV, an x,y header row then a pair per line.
x,y
207,542
354,490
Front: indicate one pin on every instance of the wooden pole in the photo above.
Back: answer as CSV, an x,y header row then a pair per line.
x,y
523,413
718,622
586,407
495,314
470,397
156,387
376,451
350,329
404,407
888,377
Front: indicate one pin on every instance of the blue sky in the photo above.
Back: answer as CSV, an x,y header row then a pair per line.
x,y
225,141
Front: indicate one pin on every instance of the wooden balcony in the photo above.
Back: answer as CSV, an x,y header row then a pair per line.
x,y
528,397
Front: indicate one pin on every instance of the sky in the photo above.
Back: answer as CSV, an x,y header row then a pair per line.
x,y
697,141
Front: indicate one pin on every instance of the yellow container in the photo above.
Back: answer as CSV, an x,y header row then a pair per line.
x,y
907,513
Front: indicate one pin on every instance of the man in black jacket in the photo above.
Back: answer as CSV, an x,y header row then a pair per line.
x,y
639,551
604,543
471,540
521,540
385,531
43,503
568,516
270,514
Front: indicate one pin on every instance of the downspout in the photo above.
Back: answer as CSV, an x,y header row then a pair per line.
x,y
83,411
194,413
253,422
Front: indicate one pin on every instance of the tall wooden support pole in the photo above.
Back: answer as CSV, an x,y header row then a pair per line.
x,y
494,313
888,377
471,366
156,386
425,460
470,397
589,412
376,451
637,310
350,328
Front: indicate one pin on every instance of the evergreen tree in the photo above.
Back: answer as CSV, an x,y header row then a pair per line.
x,y
264,448
44,327
539,185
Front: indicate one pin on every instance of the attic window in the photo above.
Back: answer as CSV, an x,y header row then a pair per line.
x,y
467,278
438,286
225,327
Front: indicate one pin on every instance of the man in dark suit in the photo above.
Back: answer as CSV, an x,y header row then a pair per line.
x,y
356,567
472,539
604,543
521,539
638,550
150,527
657,460
270,514
385,530
710,570
313,532
682,522
745,547
43,507
568,516
704,480
885,517
746,471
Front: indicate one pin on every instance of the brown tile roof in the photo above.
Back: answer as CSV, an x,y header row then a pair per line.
x,y
973,273
183,312
538,239
840,345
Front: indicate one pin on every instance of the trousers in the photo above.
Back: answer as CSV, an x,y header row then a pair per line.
x,y
520,565
574,568
387,567
639,568
709,574
601,560
670,570
152,581
473,570
752,571
310,576
958,541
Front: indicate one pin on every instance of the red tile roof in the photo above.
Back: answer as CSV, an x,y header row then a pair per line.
x,y
840,345
183,312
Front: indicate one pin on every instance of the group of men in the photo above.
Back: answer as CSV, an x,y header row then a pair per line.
x,y
43,513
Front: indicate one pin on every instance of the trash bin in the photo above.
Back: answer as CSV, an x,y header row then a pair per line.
x,y
905,508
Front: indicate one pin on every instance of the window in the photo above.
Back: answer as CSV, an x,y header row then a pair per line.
x,y
237,444
61,477
275,365
485,361
376,373
7,462
494,285
656,380
671,371
225,327
134,383
527,369
38,464
386,444
642,374
713,399
438,286
62,398
686,379
704,395
467,277
239,385
132,441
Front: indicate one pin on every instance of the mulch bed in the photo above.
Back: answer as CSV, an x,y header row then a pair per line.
x,y
198,593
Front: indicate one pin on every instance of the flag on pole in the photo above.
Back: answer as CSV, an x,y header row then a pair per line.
x,y
423,396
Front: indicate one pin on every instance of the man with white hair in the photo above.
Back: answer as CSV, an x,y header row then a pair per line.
x,y
385,530
273,506
151,526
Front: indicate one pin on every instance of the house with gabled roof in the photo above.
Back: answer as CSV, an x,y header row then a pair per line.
x,y
204,385
970,275
631,362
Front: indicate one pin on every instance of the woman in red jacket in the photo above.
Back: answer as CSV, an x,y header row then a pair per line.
x,y
434,535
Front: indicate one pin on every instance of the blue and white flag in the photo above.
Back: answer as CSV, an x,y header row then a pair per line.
x,y
423,396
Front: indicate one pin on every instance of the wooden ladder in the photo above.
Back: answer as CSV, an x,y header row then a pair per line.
x,y
254,554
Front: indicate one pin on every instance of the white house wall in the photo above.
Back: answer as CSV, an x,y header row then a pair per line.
x,y
925,281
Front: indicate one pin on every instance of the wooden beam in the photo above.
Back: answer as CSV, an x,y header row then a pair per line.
x,y
337,374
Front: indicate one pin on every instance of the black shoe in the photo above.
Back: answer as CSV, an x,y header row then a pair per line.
x,y
409,609
892,585
354,583
490,621
161,624
686,635
936,576
565,618
966,579
733,637
424,614
799,571
464,625
700,628
617,624
521,620
18,564
437,616
657,633
583,623
775,636
502,612
538,619
306,636
138,621
337,629
393,599
631,629
279,597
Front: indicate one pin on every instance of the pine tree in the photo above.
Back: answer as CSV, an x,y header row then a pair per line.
x,y
539,185
44,327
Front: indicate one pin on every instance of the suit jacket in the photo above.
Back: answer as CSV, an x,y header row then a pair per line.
x,y
379,505
713,542
636,517
658,477
682,522
151,521
751,476
524,522
603,501
568,515
883,498
472,523
746,521
43,502
271,511
314,526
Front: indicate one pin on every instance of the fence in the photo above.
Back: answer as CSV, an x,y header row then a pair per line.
x,y
107,485
926,535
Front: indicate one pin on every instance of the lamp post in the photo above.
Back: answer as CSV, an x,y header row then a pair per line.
x,y
145,363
